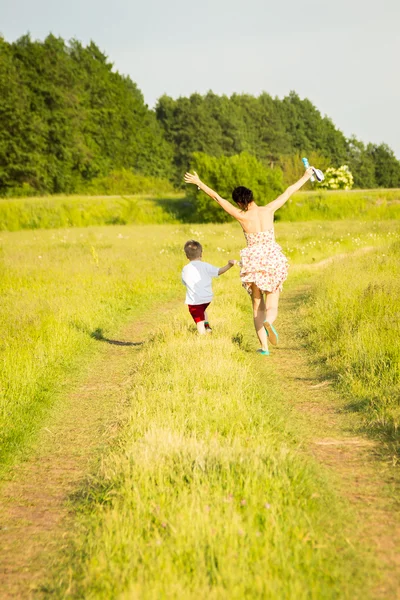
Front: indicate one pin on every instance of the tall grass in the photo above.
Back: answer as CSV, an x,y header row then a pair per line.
x,y
355,204
81,211
353,324
54,212
206,494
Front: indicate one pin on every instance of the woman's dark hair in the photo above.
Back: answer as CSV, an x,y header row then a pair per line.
x,y
242,196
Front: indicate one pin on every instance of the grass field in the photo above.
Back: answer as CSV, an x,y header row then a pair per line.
x,y
59,287
206,493
82,211
58,291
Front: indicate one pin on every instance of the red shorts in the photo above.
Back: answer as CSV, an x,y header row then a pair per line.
x,y
197,311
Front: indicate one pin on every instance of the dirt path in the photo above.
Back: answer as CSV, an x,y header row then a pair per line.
x,y
34,501
363,477
334,258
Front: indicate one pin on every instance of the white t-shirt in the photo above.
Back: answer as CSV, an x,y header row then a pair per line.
x,y
197,276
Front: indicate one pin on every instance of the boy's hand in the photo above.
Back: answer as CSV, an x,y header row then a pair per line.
x,y
228,266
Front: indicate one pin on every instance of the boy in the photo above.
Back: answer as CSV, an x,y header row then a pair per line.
x,y
197,276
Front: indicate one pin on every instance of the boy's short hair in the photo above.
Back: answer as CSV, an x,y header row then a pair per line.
x,y
193,249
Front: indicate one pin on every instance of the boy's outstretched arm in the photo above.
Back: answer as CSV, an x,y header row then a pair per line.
x,y
227,267
227,206
280,201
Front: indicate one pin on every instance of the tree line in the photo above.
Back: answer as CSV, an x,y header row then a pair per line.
x,y
67,118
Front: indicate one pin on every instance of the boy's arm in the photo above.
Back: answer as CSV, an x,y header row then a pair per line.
x,y
227,206
280,201
226,267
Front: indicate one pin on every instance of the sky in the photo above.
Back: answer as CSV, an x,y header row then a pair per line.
x,y
343,55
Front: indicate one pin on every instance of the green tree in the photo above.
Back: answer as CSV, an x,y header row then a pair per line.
x,y
22,162
387,167
67,117
361,163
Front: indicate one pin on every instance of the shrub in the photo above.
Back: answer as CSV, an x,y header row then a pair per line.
x,y
224,174
24,190
337,179
124,181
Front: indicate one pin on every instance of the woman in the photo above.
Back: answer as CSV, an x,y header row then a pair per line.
x,y
264,266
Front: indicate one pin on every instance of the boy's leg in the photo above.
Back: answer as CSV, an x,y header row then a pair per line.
x,y
206,323
200,327
198,313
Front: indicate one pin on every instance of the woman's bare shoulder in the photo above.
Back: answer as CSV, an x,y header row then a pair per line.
x,y
265,208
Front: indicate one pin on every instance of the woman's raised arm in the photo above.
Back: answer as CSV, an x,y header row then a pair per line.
x,y
280,201
227,206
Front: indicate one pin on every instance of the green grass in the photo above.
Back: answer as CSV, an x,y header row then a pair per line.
x,y
81,211
59,287
56,290
206,494
54,212
352,322
355,204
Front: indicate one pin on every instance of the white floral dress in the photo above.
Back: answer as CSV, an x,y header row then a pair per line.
x,y
263,262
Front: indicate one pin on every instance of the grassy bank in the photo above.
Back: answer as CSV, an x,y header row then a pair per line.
x,y
337,205
81,211
53,212
352,322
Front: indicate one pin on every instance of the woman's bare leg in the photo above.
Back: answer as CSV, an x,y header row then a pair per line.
x,y
272,301
259,315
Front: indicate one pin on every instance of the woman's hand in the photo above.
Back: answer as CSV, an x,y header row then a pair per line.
x,y
227,206
189,178
309,172
232,262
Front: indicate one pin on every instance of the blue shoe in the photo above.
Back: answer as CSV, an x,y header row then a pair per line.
x,y
263,352
271,333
